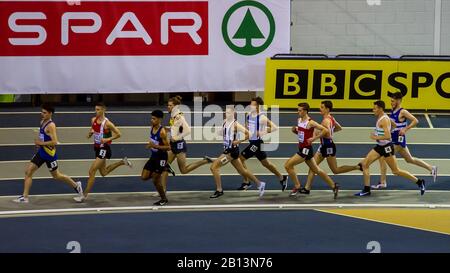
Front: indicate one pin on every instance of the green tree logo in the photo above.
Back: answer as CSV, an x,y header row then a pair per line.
x,y
248,29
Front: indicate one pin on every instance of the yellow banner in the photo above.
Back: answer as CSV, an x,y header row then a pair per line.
x,y
356,84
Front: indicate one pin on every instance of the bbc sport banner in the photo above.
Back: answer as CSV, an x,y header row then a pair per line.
x,y
92,46
356,84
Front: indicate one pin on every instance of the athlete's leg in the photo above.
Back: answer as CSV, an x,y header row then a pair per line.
x,y
289,166
392,163
96,165
145,175
56,174
243,159
318,158
332,163
383,171
170,158
370,158
404,152
269,165
156,177
184,169
222,160
237,164
105,170
313,166
28,180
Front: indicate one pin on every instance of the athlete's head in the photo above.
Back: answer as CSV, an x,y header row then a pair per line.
x,y
230,112
157,116
100,109
378,107
303,109
47,111
256,104
325,107
173,101
396,100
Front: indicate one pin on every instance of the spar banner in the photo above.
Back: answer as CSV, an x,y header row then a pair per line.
x,y
356,84
139,46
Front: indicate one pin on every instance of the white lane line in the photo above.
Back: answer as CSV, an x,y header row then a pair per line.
x,y
199,158
202,191
429,121
215,207
210,175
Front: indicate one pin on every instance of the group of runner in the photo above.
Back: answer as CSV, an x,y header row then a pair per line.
x,y
168,143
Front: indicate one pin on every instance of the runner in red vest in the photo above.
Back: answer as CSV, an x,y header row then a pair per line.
x,y
305,132
104,132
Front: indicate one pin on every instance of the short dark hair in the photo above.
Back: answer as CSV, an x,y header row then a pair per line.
x,y
397,95
328,104
48,107
158,113
304,105
380,104
101,104
258,100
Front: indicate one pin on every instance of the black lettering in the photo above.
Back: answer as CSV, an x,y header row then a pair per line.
x,y
291,84
365,84
440,89
328,84
417,83
396,84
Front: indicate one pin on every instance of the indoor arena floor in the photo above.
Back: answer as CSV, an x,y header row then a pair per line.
x,y
119,216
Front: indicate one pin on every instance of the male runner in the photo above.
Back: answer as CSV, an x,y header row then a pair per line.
x,y
327,148
384,148
47,142
401,116
305,133
230,129
104,132
157,164
259,125
179,129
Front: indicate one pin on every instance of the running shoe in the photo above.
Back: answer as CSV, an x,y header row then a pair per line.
x,y
161,202
336,190
262,188
21,200
379,186
170,170
421,184
362,193
434,173
244,186
284,182
217,194
127,162
294,191
209,159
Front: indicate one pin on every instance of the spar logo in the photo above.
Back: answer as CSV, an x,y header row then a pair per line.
x,y
109,28
248,28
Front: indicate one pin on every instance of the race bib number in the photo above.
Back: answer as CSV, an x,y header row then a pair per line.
x,y
329,151
388,149
305,151
53,164
102,153
301,137
162,163
98,138
180,145
224,160
41,137
253,148
401,138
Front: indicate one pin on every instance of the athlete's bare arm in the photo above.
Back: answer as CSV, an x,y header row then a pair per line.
x,y
384,124
241,129
271,127
165,140
320,127
91,131
337,126
115,132
51,131
413,121
180,121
